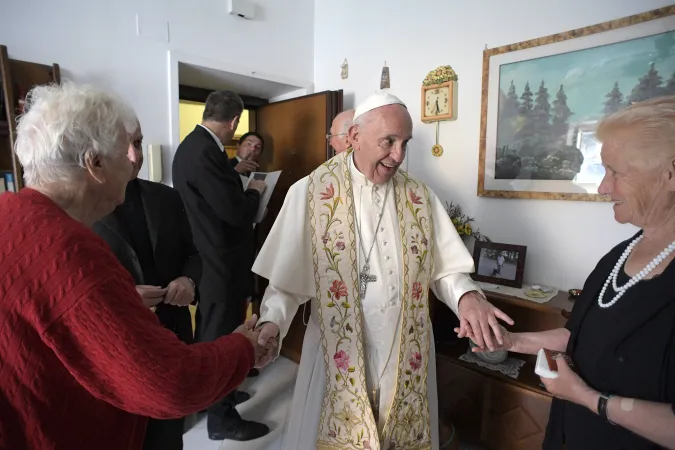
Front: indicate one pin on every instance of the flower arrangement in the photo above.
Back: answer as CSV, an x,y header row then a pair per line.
x,y
440,75
462,222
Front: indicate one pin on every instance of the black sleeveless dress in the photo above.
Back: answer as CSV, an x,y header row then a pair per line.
x,y
627,349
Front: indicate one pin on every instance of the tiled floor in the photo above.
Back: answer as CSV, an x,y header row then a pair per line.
x,y
271,394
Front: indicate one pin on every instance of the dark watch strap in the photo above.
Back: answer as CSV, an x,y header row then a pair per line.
x,y
602,406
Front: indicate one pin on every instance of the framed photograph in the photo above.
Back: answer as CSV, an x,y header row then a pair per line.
x,y
499,263
542,99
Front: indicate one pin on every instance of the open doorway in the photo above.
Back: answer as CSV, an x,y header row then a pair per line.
x,y
293,121
191,79
190,115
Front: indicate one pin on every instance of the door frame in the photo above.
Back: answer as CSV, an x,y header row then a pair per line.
x,y
175,58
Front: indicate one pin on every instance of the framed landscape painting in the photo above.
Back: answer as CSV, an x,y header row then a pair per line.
x,y
542,99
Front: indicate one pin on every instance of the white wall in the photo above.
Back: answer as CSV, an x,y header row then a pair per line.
x,y
96,41
565,239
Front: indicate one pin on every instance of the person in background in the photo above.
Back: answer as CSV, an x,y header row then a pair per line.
x,y
80,355
620,394
500,264
249,151
150,235
221,215
338,137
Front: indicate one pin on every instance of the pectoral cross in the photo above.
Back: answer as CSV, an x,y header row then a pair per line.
x,y
364,278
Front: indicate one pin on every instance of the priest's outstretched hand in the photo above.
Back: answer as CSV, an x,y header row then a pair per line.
x,y
478,320
268,339
248,330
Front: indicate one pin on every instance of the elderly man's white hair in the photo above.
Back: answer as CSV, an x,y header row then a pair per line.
x,y
63,124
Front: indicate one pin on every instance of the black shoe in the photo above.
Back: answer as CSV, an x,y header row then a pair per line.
x,y
239,430
241,397
253,373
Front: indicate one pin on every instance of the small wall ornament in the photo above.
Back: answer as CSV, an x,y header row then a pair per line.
x,y
439,100
344,73
384,78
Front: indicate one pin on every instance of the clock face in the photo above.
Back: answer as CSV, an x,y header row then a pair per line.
x,y
437,102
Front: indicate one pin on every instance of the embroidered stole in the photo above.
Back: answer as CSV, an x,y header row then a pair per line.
x,y
347,420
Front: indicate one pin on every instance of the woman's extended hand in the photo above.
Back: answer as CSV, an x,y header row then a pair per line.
x,y
569,386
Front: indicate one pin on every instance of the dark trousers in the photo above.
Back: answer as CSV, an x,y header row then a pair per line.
x,y
168,434
164,435
214,320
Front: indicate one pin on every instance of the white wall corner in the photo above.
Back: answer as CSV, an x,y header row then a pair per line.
x,y
174,119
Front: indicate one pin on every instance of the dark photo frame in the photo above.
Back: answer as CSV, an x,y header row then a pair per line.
x,y
502,264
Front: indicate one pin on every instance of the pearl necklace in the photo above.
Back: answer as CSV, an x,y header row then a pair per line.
x,y
620,290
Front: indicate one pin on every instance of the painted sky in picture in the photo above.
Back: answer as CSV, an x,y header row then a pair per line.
x,y
588,76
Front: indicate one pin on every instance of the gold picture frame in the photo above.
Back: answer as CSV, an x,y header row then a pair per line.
x,y
513,172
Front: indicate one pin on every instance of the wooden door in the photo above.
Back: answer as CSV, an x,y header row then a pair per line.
x,y
295,143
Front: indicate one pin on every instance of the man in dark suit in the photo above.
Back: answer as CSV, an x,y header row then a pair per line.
x,y
150,235
221,214
249,150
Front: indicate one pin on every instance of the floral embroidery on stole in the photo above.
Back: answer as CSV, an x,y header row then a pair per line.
x,y
347,420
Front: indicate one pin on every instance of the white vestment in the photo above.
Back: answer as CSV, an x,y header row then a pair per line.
x,y
286,261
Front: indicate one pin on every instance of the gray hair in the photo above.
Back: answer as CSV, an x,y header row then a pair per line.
x,y
222,106
652,126
63,124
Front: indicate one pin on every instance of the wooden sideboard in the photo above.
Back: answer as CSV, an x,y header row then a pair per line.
x,y
487,407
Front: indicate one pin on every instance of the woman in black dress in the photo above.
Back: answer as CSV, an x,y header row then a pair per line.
x,y
621,335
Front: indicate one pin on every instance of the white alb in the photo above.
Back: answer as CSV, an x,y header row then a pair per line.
x,y
620,290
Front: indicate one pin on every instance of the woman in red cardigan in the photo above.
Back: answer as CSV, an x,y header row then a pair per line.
x,y
80,356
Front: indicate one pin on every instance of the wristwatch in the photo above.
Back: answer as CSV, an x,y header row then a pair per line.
x,y
194,286
602,406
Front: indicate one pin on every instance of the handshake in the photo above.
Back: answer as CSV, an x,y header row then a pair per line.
x,y
264,340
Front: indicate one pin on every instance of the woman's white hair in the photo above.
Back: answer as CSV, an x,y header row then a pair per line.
x,y
63,124
651,125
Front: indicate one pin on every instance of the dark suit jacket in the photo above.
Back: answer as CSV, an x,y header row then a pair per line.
x,y
221,214
174,252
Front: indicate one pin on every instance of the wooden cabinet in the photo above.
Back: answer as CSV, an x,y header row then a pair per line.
x,y
460,398
514,418
17,78
487,407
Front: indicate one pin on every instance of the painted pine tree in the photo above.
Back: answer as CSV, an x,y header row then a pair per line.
x,y
648,87
508,117
541,120
512,97
524,136
561,115
526,100
614,100
670,85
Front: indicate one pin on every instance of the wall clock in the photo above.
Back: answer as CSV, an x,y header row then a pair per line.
x,y
438,102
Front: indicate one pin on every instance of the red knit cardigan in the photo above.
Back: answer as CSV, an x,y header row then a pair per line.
x,y
81,360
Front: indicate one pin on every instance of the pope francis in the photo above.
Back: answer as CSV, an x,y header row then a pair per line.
x,y
364,242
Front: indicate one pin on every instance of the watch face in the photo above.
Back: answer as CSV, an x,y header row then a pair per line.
x,y
437,102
